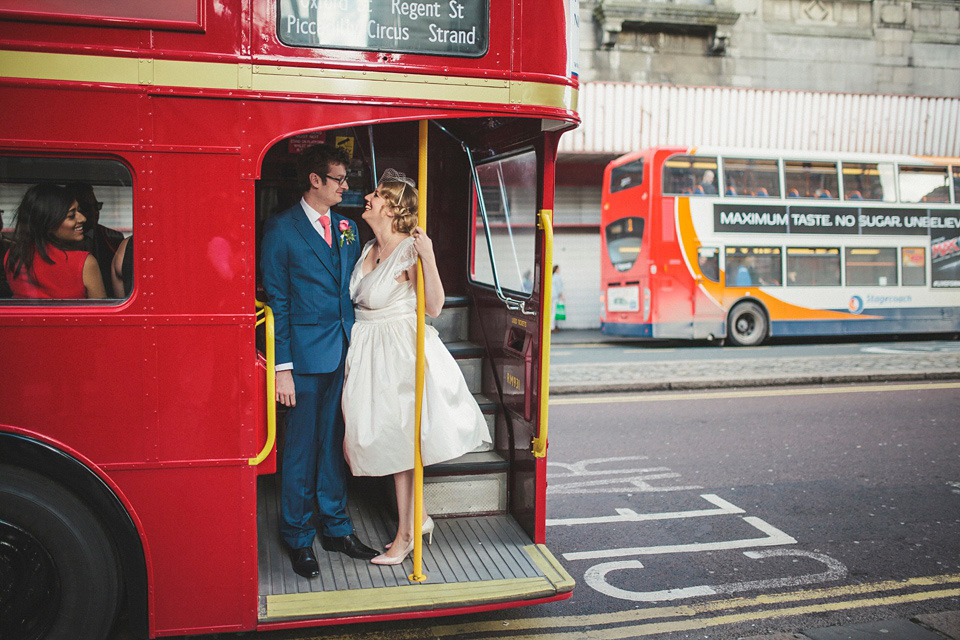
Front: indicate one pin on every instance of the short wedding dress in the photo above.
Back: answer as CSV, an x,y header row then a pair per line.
x,y
380,378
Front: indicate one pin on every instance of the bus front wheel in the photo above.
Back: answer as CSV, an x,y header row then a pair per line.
x,y
747,325
59,576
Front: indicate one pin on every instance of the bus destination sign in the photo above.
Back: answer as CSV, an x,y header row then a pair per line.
x,y
443,27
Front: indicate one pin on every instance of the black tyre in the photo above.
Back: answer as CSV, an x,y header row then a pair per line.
x,y
59,577
747,325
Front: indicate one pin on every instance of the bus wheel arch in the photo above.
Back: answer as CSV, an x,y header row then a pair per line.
x,y
43,485
748,323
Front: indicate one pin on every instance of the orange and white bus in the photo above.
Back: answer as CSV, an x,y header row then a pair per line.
x,y
718,243
137,447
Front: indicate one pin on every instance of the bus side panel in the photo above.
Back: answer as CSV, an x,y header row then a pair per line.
x,y
199,393
85,386
672,286
207,235
198,532
43,123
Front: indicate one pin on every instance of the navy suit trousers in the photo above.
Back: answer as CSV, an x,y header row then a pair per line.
x,y
313,475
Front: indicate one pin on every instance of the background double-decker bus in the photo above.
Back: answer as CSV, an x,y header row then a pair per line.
x,y
716,243
137,467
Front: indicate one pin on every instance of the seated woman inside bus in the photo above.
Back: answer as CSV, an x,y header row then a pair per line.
x,y
46,259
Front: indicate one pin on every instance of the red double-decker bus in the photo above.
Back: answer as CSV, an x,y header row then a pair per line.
x,y
137,456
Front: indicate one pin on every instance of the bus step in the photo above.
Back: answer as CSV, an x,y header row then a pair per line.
x,y
475,483
470,357
453,322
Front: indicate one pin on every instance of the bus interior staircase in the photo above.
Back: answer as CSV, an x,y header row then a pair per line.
x,y
479,555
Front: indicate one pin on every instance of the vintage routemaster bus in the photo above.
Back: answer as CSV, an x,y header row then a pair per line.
x,y
137,457
746,244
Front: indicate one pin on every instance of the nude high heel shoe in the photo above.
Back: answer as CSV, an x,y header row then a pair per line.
x,y
388,560
425,530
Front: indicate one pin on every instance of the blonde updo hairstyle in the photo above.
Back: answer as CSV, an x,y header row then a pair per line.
x,y
402,199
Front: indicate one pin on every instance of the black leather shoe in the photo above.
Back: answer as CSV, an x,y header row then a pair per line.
x,y
349,545
305,562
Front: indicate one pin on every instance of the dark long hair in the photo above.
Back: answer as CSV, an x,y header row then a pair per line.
x,y
44,208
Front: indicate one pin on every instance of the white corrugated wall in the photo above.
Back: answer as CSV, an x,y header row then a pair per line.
x,y
620,117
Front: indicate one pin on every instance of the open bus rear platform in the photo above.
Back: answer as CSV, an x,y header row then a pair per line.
x,y
473,561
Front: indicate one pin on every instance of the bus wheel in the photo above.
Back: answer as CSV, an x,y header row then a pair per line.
x,y
59,577
747,325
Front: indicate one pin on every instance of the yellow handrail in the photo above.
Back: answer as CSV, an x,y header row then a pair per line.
x,y
418,575
545,222
265,315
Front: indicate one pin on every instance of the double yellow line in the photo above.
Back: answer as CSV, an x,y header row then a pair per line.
x,y
657,620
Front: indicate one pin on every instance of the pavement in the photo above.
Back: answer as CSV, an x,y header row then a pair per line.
x,y
740,371
747,371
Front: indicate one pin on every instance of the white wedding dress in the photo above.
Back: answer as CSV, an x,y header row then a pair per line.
x,y
380,378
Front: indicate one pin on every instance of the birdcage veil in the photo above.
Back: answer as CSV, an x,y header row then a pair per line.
x,y
392,175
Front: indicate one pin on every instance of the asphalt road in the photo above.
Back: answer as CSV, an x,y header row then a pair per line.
x,y
739,513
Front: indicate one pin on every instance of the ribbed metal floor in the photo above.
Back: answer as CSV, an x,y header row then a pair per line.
x,y
472,560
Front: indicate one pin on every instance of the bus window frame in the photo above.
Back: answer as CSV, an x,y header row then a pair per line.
x,y
879,167
621,169
812,163
778,250
696,180
919,170
748,170
481,214
126,182
815,252
849,251
922,269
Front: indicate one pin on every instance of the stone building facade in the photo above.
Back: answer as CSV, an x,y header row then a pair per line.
x,y
860,46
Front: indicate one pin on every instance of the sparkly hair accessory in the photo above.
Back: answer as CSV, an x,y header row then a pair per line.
x,y
392,175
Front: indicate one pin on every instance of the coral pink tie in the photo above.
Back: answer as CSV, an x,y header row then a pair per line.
x,y
325,223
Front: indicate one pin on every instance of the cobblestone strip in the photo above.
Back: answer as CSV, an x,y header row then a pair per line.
x,y
682,374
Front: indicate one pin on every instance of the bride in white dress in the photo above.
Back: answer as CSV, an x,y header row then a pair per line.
x,y
379,383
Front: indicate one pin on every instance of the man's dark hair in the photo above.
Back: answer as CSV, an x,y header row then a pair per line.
x,y
317,159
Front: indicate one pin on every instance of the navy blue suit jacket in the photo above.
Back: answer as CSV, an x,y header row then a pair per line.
x,y
310,298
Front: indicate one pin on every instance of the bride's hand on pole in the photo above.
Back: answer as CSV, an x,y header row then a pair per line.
x,y
424,245
432,286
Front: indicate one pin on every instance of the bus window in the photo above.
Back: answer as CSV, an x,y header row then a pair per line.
x,y
810,179
708,259
868,181
813,267
626,176
623,242
871,267
913,266
751,177
508,186
690,175
924,184
747,266
103,191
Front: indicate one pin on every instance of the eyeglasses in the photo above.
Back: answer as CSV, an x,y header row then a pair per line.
x,y
340,181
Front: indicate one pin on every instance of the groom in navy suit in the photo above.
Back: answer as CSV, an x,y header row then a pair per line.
x,y
307,258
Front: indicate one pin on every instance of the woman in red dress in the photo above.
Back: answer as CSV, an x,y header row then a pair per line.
x,y
45,259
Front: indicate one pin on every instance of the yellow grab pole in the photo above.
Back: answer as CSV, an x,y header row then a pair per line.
x,y
539,444
265,316
418,575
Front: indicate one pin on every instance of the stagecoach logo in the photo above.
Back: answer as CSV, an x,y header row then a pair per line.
x,y
856,304
444,27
